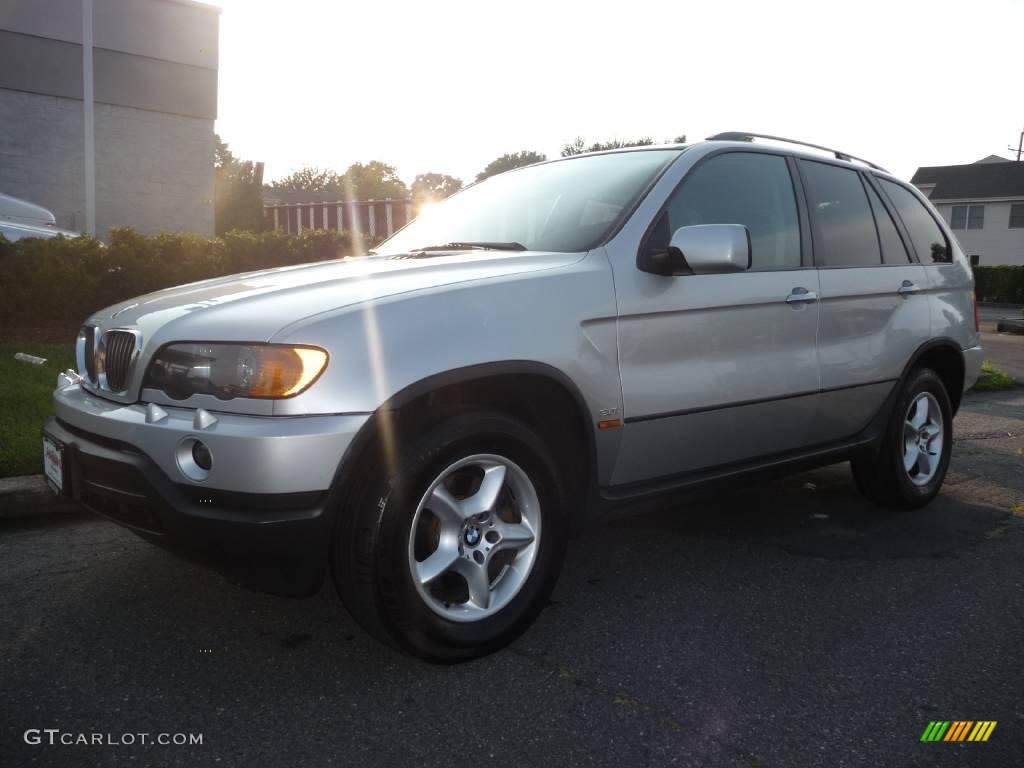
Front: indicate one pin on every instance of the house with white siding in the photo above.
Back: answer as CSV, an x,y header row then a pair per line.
x,y
983,203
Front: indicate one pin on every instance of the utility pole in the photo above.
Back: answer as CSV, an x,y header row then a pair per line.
x,y
89,120
1020,146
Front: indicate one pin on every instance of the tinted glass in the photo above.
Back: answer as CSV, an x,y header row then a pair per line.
x,y
837,200
567,206
893,249
739,188
928,239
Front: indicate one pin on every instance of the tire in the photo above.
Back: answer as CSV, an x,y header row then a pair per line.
x,y
884,477
435,484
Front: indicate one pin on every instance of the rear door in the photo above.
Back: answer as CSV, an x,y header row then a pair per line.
x,y
719,368
874,309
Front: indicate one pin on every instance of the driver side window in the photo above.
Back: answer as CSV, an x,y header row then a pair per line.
x,y
746,188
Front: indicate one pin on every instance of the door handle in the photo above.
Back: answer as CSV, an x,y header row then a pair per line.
x,y
907,287
801,296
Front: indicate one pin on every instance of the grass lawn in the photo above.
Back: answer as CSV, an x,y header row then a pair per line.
x,y
25,400
997,379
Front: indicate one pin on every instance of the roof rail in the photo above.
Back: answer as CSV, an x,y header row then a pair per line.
x,y
744,136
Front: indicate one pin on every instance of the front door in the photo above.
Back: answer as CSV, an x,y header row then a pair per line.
x,y
719,369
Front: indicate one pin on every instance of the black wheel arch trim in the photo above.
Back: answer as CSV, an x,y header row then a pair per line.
x,y
928,346
462,375
876,425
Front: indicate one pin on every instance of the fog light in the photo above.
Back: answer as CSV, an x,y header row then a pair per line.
x,y
194,459
201,455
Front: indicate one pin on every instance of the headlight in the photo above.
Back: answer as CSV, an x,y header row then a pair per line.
x,y
234,370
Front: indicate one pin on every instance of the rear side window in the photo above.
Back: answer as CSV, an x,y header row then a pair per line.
x,y
746,188
840,205
929,241
893,249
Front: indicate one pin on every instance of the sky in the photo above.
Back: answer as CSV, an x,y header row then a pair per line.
x,y
446,86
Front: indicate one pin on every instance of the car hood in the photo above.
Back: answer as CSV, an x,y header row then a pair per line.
x,y
255,305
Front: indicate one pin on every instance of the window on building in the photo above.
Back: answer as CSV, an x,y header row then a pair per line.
x,y
926,235
1017,216
840,205
967,217
746,188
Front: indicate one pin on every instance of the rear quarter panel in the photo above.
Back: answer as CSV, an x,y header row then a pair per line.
x,y
951,301
950,289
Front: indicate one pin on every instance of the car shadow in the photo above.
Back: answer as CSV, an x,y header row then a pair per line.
x,y
816,514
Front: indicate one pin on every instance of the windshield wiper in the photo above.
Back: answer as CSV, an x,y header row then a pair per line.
x,y
481,246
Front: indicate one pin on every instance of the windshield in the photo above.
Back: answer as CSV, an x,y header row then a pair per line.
x,y
565,206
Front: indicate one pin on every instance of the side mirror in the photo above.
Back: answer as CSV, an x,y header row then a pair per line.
x,y
702,249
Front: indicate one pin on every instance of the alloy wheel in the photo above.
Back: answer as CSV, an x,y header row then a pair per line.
x,y
474,537
923,436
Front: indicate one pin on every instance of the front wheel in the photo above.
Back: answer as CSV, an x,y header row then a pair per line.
x,y
911,463
453,552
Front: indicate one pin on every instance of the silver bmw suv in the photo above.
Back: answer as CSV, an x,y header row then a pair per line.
x,y
429,423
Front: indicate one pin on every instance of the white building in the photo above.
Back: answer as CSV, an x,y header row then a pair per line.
x,y
984,205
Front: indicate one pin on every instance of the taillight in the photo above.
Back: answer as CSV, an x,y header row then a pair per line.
x,y
977,317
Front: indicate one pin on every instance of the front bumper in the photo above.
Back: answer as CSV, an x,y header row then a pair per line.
x,y
263,520
251,454
973,358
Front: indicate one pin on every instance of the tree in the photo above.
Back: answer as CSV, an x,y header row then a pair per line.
x,y
222,156
578,146
374,181
237,191
510,161
575,147
311,179
370,181
431,187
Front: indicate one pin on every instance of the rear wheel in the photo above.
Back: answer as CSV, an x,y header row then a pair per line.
x,y
911,463
453,552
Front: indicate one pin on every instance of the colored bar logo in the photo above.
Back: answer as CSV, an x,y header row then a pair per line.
x,y
958,730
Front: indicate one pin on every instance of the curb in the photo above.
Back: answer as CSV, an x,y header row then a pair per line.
x,y
29,496
1008,325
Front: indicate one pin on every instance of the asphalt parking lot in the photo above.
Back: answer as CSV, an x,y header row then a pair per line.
x,y
780,624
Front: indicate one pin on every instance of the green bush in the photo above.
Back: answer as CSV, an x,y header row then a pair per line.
x,y
57,283
1003,284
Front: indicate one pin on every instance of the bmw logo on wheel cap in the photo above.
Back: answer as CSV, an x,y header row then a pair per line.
x,y
472,535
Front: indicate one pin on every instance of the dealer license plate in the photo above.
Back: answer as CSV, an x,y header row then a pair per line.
x,y
53,463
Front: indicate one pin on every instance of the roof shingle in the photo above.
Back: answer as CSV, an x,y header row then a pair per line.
x,y
977,180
